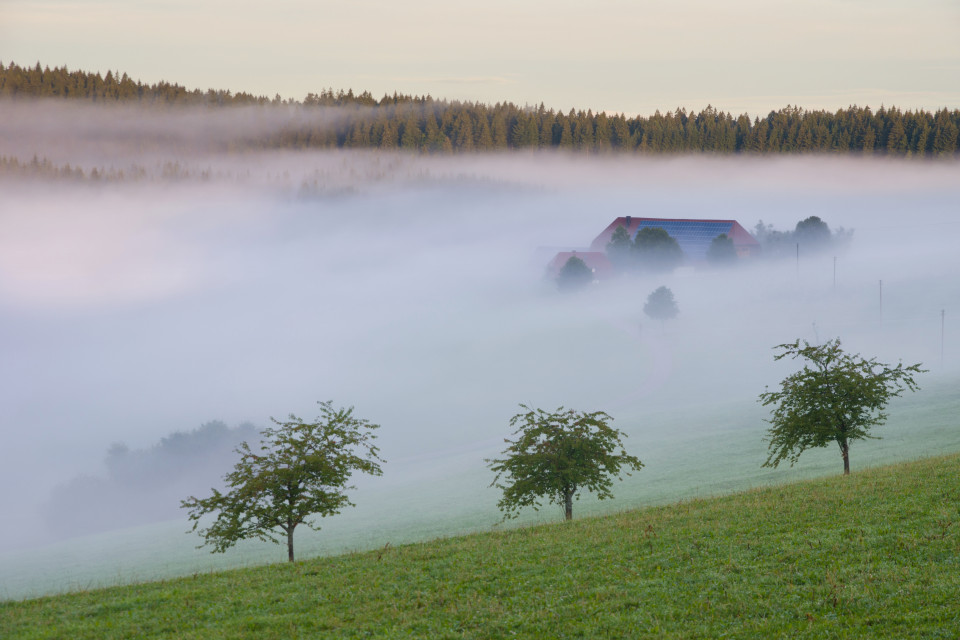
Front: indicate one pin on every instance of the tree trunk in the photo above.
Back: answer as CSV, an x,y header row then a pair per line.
x,y
290,543
845,451
568,504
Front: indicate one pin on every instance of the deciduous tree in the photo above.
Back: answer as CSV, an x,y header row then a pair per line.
x,y
575,274
558,455
657,250
812,233
836,398
620,248
721,251
661,304
301,469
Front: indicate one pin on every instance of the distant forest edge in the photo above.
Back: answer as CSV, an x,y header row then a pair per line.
x,y
421,123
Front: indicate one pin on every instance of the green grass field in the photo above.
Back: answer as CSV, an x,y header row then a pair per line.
x,y
873,555
686,456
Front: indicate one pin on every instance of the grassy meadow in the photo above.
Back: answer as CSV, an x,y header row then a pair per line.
x,y
686,457
875,554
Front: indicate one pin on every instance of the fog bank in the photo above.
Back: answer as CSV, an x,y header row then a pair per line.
x,y
413,288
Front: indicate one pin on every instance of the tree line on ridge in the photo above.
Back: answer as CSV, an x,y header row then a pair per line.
x,y
425,124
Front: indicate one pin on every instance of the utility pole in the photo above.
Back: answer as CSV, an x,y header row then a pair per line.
x,y
943,315
881,303
798,259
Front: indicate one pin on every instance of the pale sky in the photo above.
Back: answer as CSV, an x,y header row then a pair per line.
x,y
608,55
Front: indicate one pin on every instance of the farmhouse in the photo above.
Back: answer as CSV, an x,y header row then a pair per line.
x,y
693,236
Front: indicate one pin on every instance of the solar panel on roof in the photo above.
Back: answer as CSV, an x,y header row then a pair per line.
x,y
693,236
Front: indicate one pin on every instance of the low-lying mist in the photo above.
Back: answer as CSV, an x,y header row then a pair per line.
x,y
141,486
413,288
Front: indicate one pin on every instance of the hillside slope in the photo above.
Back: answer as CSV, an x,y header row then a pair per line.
x,y
872,555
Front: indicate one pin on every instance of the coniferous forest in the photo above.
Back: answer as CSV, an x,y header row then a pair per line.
x,y
424,124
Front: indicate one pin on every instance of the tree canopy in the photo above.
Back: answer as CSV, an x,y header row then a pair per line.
x,y
661,304
835,399
556,456
620,248
721,251
424,124
812,233
575,274
301,469
656,250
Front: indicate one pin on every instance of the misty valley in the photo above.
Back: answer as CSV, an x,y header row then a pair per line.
x,y
156,315
141,486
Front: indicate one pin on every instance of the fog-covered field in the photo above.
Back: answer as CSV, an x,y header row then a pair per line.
x,y
413,288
